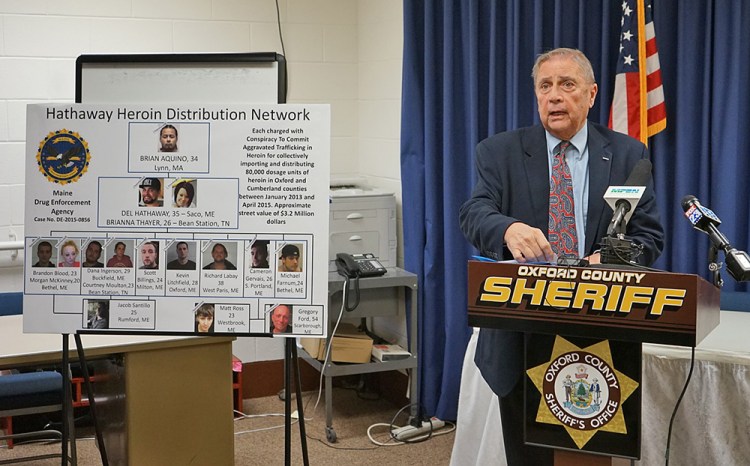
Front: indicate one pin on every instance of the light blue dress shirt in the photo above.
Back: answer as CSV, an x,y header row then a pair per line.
x,y
577,157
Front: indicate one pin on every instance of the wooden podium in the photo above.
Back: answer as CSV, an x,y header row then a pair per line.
x,y
584,327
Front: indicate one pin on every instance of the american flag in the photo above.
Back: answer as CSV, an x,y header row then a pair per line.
x,y
638,103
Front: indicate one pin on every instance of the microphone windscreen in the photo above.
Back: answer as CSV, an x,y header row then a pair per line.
x,y
687,201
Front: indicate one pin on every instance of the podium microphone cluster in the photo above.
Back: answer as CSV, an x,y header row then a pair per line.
x,y
615,248
704,219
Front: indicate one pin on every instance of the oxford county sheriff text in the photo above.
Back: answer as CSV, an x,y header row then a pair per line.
x,y
555,288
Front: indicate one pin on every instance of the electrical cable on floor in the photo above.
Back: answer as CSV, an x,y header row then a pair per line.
x,y
677,405
320,384
393,420
260,416
261,429
332,446
329,347
326,359
418,439
257,416
396,443
320,388
393,441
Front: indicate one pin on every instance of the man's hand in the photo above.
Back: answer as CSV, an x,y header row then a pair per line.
x,y
528,244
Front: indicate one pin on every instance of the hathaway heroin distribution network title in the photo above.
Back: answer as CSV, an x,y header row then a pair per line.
x,y
177,114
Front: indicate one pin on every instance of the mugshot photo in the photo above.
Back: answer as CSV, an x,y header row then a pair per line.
x,y
280,318
149,255
181,256
290,258
92,253
150,193
98,314
204,318
167,142
120,253
259,254
69,254
184,193
168,138
45,254
220,256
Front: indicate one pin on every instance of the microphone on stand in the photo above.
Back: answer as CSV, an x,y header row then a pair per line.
x,y
623,200
704,219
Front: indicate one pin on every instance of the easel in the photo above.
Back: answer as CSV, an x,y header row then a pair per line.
x,y
68,422
291,363
270,87
68,419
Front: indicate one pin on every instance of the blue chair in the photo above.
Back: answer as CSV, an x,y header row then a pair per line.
x,y
11,304
31,393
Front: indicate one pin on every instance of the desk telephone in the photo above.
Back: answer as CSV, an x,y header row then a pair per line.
x,y
358,265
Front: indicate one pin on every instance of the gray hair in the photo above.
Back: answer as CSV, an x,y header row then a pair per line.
x,y
574,54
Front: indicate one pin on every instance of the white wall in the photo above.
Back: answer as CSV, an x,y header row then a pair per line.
x,y
343,52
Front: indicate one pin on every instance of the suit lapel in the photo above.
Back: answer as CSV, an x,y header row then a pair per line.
x,y
534,144
600,165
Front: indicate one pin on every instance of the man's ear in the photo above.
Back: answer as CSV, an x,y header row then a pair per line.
x,y
594,90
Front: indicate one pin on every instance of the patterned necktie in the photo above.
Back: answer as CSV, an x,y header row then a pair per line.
x,y
562,219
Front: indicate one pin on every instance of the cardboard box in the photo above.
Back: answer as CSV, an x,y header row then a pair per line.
x,y
349,345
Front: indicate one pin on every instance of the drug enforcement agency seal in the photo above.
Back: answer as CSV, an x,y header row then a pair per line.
x,y
63,156
581,390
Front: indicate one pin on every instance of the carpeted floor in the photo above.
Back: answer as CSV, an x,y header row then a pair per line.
x,y
259,439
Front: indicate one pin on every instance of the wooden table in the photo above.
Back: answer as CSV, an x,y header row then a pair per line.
x,y
175,393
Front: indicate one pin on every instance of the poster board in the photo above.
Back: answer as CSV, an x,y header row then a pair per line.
x,y
165,79
98,176
217,182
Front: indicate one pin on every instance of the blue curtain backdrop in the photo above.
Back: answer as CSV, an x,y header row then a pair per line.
x,y
466,76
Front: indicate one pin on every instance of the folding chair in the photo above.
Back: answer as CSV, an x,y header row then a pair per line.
x,y
30,393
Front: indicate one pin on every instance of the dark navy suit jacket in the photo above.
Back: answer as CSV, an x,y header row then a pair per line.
x,y
513,186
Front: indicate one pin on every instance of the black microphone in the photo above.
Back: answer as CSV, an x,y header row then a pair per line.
x,y
704,219
638,177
